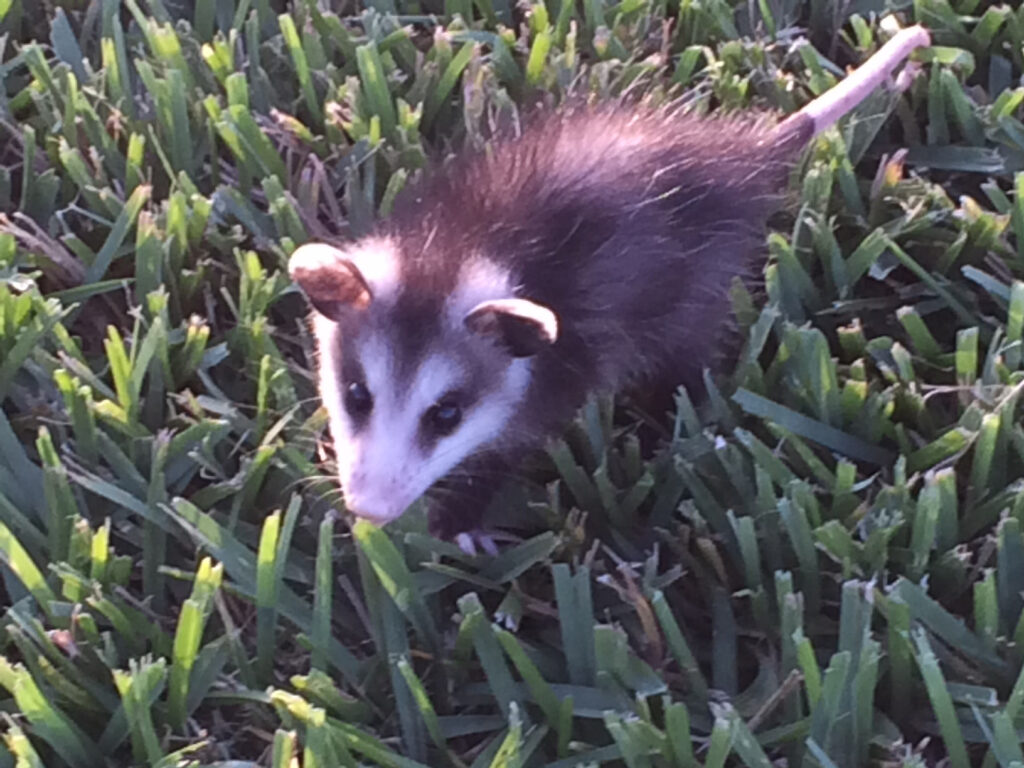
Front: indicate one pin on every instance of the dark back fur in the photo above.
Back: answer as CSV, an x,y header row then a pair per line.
x,y
630,223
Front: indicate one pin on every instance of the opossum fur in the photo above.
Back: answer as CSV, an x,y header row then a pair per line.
x,y
591,252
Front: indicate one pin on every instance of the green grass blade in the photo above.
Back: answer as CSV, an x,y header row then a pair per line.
x,y
942,703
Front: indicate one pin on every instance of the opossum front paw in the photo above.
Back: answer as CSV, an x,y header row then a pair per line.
x,y
462,526
448,522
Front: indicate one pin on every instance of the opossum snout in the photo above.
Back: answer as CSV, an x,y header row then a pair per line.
x,y
377,499
375,509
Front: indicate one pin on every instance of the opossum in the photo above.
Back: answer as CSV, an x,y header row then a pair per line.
x,y
591,252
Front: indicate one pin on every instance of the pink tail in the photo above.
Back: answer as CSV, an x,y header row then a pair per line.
x,y
829,107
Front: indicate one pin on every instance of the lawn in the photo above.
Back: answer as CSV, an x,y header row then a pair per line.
x,y
822,563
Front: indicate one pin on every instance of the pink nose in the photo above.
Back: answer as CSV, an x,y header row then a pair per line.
x,y
377,501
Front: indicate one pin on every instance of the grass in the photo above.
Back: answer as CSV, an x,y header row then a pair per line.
x,y
823,566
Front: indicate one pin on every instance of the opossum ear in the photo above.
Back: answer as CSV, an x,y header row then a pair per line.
x,y
521,326
333,283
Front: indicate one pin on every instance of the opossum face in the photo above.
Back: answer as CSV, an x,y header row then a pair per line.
x,y
415,380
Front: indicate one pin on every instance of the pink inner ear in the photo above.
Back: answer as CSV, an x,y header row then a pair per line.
x,y
521,326
332,282
523,309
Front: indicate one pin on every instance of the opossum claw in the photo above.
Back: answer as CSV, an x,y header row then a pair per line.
x,y
468,541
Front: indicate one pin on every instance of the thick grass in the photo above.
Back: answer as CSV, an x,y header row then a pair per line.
x,y
824,565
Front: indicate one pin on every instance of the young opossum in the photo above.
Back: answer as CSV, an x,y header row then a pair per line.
x,y
592,252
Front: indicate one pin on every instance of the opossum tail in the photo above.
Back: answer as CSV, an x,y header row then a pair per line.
x,y
798,129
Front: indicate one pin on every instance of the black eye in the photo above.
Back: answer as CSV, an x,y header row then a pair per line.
x,y
358,400
444,417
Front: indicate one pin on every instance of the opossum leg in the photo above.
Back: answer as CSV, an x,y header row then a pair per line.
x,y
458,505
454,514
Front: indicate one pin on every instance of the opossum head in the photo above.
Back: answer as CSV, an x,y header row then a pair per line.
x,y
417,372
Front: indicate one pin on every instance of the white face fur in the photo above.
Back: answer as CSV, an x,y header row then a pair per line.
x,y
398,431
384,464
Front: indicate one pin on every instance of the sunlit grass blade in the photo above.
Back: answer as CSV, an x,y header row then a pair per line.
x,y
14,557
422,698
53,726
188,637
324,592
476,627
267,574
541,692
396,579
284,749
